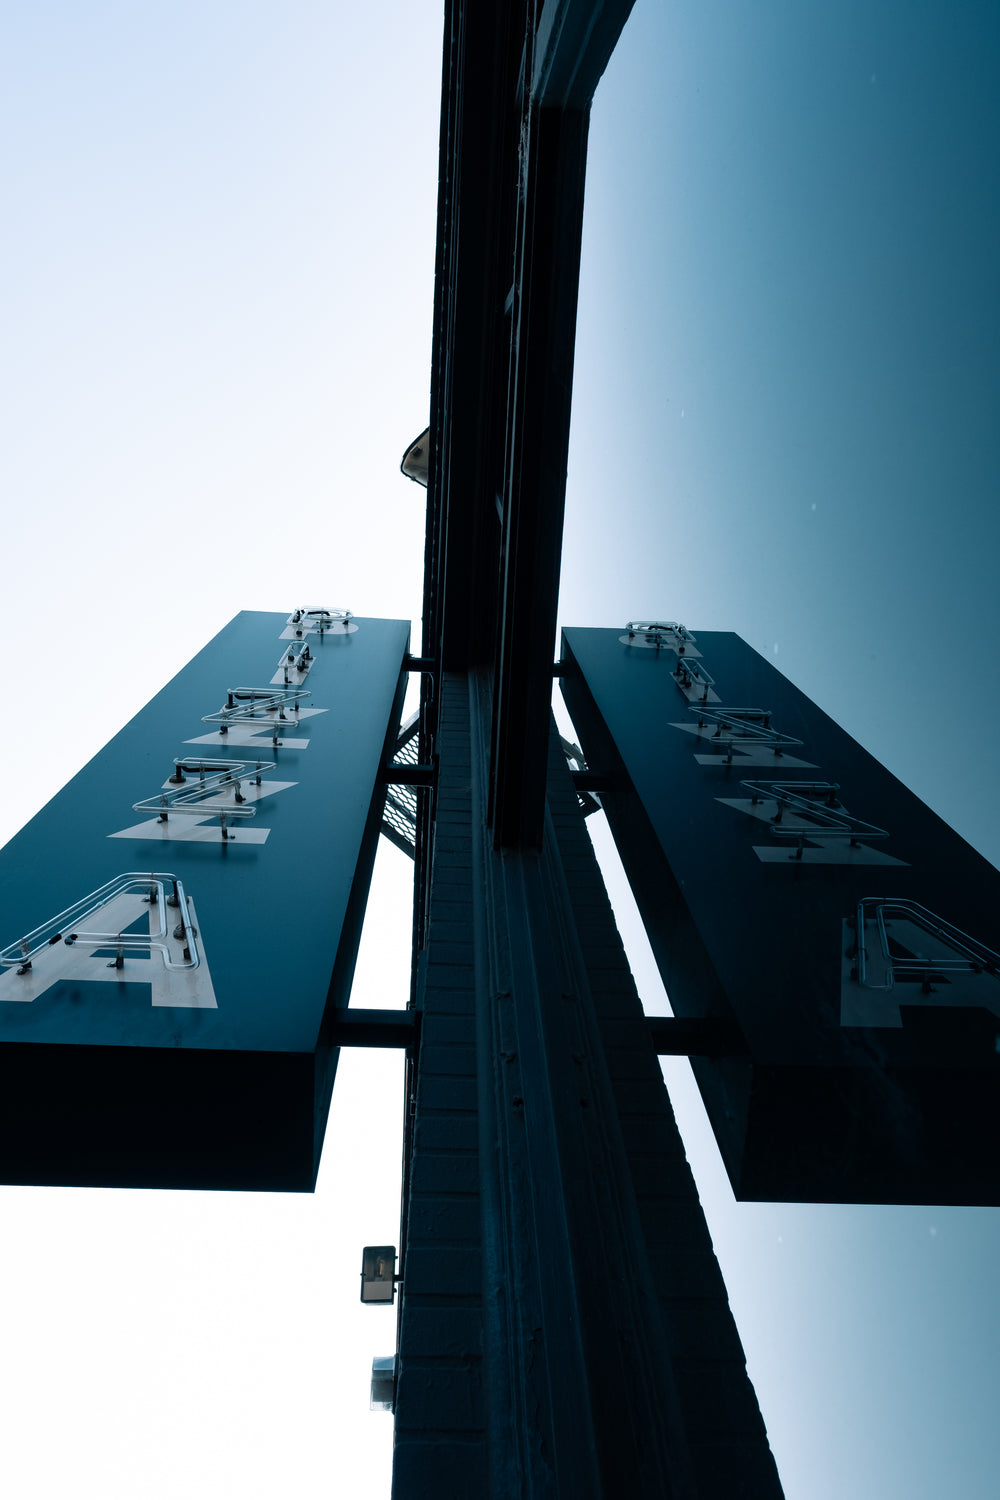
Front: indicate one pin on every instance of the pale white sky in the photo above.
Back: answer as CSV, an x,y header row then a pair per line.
x,y
216,296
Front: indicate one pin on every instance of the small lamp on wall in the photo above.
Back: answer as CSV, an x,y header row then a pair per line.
x,y
416,459
378,1273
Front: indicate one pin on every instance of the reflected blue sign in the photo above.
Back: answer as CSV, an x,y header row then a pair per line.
x,y
797,893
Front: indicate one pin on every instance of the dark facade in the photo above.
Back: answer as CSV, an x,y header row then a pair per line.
x,y
564,1328
563,1325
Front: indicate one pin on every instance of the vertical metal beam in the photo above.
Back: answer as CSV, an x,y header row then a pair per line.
x,y
535,483
538,1354
476,205
570,1307
566,51
563,1318
574,40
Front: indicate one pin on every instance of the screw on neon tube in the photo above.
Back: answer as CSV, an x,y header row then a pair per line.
x,y
129,887
657,634
743,727
321,620
691,673
897,941
815,810
260,706
298,658
217,792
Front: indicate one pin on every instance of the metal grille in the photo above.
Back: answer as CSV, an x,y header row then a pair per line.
x,y
399,816
589,801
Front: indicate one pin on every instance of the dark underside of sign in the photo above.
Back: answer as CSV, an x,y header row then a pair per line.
x,y
793,888
921,1132
157,1118
880,1134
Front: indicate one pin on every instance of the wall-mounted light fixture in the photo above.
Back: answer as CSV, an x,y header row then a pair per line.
x,y
416,460
378,1273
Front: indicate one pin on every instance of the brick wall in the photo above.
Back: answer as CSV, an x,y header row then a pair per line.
x,y
724,1429
442,1442
440,1436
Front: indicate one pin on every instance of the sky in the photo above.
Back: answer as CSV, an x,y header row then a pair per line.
x,y
216,298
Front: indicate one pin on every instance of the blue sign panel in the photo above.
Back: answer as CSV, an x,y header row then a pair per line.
x,y
794,891
178,924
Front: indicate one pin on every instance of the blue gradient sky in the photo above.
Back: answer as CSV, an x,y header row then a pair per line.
x,y
216,304
786,424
